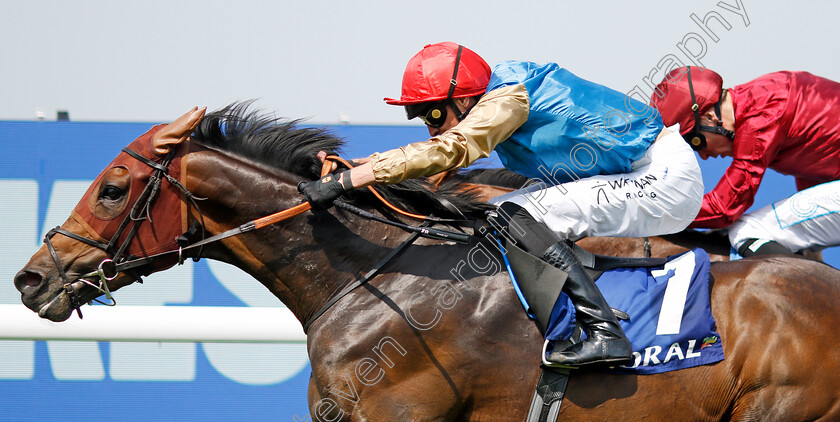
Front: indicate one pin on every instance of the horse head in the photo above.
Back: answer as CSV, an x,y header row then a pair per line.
x,y
133,208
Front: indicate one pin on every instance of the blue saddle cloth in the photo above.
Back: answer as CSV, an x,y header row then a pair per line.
x,y
671,325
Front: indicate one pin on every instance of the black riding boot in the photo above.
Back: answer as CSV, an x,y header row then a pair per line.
x,y
605,342
753,247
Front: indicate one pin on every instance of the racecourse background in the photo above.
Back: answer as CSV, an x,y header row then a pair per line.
x,y
331,62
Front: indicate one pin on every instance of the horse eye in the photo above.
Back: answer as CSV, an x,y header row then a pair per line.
x,y
111,193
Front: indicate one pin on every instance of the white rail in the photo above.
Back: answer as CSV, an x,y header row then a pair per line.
x,y
157,324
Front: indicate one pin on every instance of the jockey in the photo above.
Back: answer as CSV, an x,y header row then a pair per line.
x,y
786,121
597,168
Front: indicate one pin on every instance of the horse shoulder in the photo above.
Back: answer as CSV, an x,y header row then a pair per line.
x,y
415,330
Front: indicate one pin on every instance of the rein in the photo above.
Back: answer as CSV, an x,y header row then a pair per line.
x,y
416,231
109,268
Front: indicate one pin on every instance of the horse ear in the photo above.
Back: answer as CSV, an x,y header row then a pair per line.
x,y
178,131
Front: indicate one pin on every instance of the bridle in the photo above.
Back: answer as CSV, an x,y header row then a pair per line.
x,y
119,261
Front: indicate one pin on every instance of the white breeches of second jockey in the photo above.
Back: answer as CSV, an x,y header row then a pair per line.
x,y
808,219
661,194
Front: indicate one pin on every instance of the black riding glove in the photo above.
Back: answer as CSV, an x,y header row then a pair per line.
x,y
322,193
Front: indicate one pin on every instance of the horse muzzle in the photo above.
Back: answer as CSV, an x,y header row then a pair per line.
x,y
50,296
39,295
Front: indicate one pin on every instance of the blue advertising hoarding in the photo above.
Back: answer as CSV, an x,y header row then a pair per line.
x,y
45,167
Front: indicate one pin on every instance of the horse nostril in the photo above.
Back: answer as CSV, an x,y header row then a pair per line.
x,y
27,280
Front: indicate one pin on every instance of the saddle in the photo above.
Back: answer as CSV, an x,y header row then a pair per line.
x,y
540,283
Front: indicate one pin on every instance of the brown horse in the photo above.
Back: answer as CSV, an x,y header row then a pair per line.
x,y
438,334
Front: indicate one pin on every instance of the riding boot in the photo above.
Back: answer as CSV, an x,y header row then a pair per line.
x,y
605,342
753,247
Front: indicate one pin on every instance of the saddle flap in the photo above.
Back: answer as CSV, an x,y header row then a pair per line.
x,y
539,282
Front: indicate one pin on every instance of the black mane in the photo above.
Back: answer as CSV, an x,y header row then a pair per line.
x,y
499,177
287,145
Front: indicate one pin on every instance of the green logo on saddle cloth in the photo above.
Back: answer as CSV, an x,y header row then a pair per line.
x,y
708,341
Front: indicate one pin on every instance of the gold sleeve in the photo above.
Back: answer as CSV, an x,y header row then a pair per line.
x,y
492,120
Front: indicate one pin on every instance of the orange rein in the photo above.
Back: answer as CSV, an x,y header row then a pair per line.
x,y
283,215
302,208
328,166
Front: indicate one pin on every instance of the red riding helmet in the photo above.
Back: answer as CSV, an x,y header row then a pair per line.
x,y
429,73
681,89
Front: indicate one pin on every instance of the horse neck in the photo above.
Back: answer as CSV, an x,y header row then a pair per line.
x,y
304,260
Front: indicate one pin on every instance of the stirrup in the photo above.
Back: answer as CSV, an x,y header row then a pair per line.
x,y
552,364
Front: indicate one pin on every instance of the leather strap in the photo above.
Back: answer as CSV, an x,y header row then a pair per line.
x,y
364,279
548,396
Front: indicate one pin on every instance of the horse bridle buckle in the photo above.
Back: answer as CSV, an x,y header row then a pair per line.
x,y
106,266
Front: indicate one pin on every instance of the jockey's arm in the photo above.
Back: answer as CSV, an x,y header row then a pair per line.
x,y
732,196
492,120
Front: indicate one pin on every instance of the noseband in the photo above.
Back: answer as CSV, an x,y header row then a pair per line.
x,y
140,212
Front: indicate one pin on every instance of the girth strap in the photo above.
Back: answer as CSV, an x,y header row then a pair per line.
x,y
364,279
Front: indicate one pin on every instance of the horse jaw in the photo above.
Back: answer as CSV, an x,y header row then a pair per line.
x,y
57,306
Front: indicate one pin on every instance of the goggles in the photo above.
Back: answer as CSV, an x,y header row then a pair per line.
x,y
432,114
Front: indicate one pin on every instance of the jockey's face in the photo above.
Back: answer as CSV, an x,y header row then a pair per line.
x,y
452,115
717,145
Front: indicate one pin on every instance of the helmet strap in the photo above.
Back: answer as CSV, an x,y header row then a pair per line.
x,y
719,128
458,113
454,81
698,140
452,84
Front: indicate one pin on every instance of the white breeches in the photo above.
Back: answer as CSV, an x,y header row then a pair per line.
x,y
661,194
808,219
